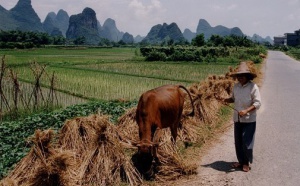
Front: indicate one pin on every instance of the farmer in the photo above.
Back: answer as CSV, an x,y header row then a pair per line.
x,y
246,99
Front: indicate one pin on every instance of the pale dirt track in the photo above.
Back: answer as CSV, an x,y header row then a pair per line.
x,y
277,145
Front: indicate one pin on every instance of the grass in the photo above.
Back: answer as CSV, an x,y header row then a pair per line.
x,y
294,52
67,56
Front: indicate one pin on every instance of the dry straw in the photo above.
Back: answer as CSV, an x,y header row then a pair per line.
x,y
101,158
43,165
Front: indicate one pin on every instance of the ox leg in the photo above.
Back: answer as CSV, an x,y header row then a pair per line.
x,y
156,133
180,125
174,134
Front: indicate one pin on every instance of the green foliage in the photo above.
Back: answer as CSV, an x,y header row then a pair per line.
x,y
199,40
104,42
24,40
156,56
292,51
13,134
216,40
203,54
80,40
230,41
214,50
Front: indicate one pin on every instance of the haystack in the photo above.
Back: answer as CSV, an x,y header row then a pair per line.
x,y
43,165
59,170
173,166
206,106
80,134
190,130
127,126
102,160
8,182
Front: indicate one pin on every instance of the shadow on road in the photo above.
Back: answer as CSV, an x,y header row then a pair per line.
x,y
222,166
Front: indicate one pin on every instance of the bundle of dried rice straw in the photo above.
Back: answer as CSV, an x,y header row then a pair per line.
x,y
102,160
44,165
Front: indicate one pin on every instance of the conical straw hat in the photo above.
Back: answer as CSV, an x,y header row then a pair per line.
x,y
243,69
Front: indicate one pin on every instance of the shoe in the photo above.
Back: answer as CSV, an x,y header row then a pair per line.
x,y
236,165
246,168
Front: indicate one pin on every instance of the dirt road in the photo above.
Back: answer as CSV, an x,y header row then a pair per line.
x,y
277,143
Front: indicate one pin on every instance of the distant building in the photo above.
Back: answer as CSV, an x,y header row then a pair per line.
x,y
289,39
293,39
280,40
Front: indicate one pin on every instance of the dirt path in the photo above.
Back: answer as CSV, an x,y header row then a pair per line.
x,y
214,166
277,147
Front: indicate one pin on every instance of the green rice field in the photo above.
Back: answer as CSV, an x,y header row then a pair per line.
x,y
105,73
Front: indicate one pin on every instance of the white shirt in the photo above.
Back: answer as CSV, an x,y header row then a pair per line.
x,y
245,96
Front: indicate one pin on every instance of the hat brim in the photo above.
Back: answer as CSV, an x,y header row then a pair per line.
x,y
237,73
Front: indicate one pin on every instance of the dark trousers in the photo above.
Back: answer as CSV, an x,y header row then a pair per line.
x,y
244,134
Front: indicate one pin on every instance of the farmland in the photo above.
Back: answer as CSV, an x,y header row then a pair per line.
x,y
82,75
106,74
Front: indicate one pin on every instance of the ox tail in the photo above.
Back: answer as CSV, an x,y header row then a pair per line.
x,y
193,111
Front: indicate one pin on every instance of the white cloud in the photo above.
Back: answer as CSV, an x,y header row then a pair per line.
x,y
143,10
224,7
293,2
232,7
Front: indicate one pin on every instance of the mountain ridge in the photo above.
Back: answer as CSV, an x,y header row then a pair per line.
x,y
23,17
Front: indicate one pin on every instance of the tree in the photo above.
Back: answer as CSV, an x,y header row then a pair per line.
x,y
121,42
216,40
228,41
104,42
79,40
199,40
58,40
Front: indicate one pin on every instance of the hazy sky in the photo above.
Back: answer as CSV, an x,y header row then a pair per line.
x,y
263,17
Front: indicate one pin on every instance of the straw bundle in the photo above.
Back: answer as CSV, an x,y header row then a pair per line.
x,y
190,131
202,102
79,134
43,165
8,182
206,106
127,126
101,159
59,170
38,154
107,161
172,165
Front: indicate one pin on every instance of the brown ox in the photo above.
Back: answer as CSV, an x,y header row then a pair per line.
x,y
159,108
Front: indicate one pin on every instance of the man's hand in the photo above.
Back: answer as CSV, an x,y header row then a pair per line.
x,y
243,113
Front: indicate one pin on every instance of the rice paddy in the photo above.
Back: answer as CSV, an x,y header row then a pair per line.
x,y
106,73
